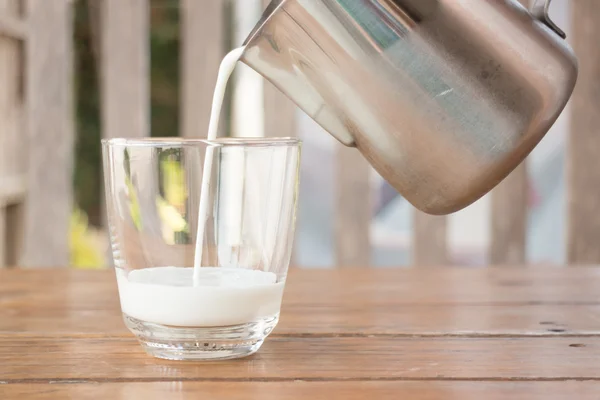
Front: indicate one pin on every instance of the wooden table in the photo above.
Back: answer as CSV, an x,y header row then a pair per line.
x,y
405,333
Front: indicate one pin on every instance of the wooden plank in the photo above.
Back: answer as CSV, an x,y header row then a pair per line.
x,y
15,215
94,8
11,103
430,246
3,238
353,209
13,27
414,390
202,48
509,219
12,128
101,316
49,97
509,215
322,358
13,189
125,68
356,286
543,302
338,334
583,164
124,58
457,286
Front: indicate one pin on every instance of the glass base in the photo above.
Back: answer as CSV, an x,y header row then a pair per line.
x,y
202,343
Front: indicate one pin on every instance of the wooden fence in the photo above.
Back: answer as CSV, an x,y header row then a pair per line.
x,y
36,130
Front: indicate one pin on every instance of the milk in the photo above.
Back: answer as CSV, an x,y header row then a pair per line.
x,y
225,71
219,297
201,296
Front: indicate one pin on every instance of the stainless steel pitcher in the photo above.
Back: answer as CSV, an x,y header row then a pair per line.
x,y
443,97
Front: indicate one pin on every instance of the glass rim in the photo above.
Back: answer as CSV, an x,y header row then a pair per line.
x,y
220,142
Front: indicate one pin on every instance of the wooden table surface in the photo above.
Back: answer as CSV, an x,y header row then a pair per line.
x,y
404,333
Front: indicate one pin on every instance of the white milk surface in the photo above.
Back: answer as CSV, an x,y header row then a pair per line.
x,y
218,297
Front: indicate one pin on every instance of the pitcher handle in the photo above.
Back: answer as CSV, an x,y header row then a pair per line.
x,y
539,10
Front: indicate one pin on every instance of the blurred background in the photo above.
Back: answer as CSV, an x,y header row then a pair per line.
x,y
220,25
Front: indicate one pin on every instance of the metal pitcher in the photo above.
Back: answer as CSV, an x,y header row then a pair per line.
x,y
443,97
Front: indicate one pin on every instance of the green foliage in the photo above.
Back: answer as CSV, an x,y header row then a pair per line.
x,y
164,67
174,183
85,251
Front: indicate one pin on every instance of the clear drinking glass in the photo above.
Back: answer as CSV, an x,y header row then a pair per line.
x,y
201,234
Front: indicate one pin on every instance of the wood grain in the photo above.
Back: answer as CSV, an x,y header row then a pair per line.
x,y
13,27
353,208
509,219
3,238
13,183
344,303
125,68
97,319
430,245
414,390
202,48
123,58
15,215
369,287
322,358
12,165
509,215
583,163
344,333
50,112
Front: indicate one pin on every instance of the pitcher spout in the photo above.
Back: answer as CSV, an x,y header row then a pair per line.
x,y
267,13
282,51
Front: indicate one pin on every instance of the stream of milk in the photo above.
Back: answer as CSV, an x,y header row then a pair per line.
x,y
225,70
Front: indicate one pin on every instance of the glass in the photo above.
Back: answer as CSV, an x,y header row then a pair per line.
x,y
239,197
